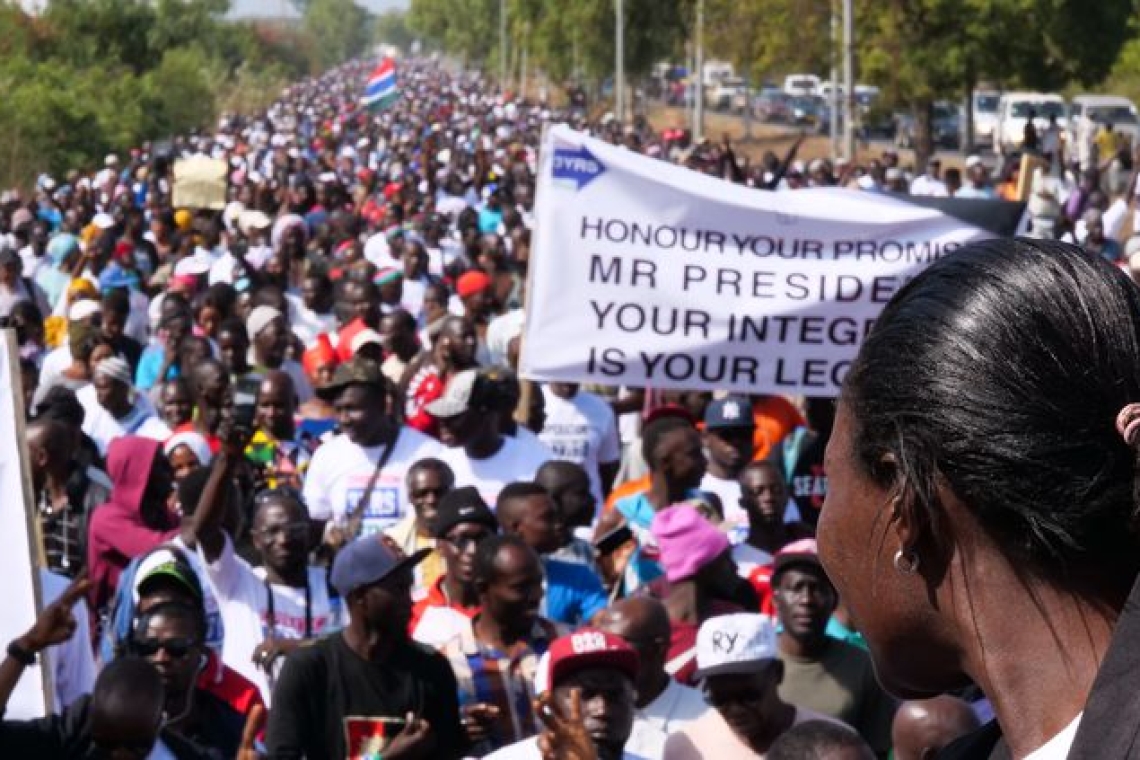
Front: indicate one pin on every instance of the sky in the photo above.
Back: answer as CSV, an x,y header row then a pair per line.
x,y
284,8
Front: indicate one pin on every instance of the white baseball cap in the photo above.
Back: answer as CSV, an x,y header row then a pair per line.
x,y
738,644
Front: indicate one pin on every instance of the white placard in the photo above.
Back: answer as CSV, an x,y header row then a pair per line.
x,y
644,273
21,594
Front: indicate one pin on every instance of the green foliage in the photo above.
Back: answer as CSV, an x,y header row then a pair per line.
x,y
392,29
784,36
338,29
561,38
89,77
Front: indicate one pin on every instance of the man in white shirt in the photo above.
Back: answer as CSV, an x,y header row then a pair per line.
x,y
728,439
113,409
930,182
356,469
315,316
664,706
271,610
477,452
601,668
580,427
738,662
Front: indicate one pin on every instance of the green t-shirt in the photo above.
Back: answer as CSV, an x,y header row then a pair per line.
x,y
842,685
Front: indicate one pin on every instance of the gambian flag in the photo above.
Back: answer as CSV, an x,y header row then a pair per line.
x,y
381,90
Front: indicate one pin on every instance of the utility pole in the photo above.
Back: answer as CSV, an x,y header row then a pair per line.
x,y
849,79
619,60
833,95
699,86
503,44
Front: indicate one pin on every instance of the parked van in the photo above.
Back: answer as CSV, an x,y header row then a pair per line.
x,y
802,84
1013,111
1103,109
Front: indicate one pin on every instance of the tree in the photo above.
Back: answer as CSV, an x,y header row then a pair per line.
x,y
784,36
392,29
924,50
339,30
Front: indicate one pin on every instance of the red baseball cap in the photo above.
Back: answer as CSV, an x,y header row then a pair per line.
x,y
585,648
472,282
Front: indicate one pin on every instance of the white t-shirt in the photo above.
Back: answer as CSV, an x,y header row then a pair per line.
x,y
103,427
52,367
72,663
583,430
439,625
728,490
340,470
500,331
308,324
241,593
516,460
527,749
673,710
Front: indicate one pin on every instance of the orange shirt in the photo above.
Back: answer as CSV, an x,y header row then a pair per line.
x,y
775,417
628,488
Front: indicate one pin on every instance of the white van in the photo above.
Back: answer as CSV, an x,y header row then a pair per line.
x,y
802,84
1013,111
985,116
1103,109
716,71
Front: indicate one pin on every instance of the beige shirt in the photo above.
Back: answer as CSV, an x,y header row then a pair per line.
x,y
711,737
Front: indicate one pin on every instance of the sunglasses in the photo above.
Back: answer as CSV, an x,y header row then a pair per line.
x,y
465,542
176,648
423,493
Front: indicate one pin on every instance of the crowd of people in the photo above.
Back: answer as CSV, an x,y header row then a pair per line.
x,y
295,501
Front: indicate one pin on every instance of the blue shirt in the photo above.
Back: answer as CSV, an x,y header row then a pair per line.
x,y
146,376
573,593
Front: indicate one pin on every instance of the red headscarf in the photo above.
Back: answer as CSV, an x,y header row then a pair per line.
x,y
320,355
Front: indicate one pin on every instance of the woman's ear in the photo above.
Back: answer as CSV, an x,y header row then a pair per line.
x,y
904,512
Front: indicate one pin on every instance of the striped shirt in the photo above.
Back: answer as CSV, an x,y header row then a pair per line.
x,y
503,679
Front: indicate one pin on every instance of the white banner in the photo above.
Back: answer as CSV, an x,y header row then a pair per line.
x,y
18,552
644,273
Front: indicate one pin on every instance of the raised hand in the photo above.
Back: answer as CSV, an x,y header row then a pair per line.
x,y
563,734
56,623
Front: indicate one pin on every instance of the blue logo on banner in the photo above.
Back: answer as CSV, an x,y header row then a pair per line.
x,y
577,165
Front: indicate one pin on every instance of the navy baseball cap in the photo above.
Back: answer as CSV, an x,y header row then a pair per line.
x,y
734,411
368,560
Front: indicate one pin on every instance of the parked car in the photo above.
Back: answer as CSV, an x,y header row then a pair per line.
x,y
809,111
945,127
740,100
773,106
1013,112
720,95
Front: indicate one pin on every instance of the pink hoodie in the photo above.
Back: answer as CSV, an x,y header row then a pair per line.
x,y
117,533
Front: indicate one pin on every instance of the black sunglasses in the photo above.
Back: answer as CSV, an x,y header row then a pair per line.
x,y
176,648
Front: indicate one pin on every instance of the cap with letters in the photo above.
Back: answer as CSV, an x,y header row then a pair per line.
x,y
736,644
729,412
585,648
